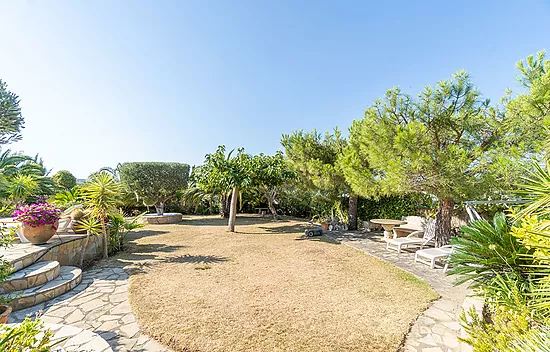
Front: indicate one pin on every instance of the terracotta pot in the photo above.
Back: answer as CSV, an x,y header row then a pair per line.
x,y
40,234
324,225
5,311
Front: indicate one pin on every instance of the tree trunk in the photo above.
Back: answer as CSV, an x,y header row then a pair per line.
x,y
443,222
159,206
83,250
233,209
222,207
105,240
271,206
352,221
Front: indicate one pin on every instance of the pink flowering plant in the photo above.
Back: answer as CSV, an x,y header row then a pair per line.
x,y
36,215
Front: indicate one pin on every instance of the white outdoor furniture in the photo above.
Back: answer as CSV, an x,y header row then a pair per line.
x,y
414,239
413,223
430,255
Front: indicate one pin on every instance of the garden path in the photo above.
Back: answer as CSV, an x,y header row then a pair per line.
x,y
437,328
99,304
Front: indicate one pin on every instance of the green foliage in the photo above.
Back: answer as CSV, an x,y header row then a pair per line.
x,y
485,249
316,159
64,179
393,206
445,142
101,194
270,173
506,328
68,198
119,226
536,191
29,336
11,120
154,183
527,115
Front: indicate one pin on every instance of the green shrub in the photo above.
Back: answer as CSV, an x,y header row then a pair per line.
x,y
485,249
393,207
29,336
64,179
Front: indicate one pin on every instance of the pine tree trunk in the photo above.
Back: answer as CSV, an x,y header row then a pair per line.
x,y
443,222
352,220
233,209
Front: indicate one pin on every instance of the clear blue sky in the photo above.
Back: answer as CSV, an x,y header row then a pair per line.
x,y
103,82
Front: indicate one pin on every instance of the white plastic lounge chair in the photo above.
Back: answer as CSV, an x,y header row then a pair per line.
x,y
430,255
414,239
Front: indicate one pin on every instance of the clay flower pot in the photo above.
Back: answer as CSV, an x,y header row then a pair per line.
x,y
39,234
324,225
5,311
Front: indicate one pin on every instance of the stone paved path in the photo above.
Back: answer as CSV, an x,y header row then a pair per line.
x,y
99,304
437,328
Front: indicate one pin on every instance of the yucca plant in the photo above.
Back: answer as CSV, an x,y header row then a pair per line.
x,y
93,227
101,194
486,249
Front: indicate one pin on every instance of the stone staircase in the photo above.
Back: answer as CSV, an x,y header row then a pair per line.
x,y
36,282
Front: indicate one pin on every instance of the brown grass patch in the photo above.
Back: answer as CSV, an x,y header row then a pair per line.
x,y
200,288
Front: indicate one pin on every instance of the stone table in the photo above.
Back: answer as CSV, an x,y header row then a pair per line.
x,y
388,225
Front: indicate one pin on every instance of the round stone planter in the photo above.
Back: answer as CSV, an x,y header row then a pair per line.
x,y
5,312
166,218
39,234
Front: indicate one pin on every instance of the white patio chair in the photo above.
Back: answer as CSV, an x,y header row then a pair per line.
x,y
430,255
414,239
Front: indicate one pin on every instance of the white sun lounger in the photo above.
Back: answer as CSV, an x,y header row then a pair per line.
x,y
430,255
414,239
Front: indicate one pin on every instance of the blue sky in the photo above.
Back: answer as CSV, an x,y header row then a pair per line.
x,y
103,82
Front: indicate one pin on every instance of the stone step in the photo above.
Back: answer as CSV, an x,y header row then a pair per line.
x,y
31,276
69,277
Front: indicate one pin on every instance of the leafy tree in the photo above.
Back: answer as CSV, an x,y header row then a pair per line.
x,y
11,120
64,179
154,182
445,143
270,173
221,173
317,160
528,114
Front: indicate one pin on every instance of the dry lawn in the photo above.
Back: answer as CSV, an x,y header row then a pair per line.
x,y
197,287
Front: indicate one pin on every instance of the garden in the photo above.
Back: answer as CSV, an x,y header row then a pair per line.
x,y
214,257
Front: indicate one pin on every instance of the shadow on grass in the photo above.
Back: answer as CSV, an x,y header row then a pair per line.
x,y
243,220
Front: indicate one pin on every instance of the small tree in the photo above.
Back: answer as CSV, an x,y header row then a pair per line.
x,y
270,173
444,143
11,120
64,179
225,172
101,194
154,182
317,160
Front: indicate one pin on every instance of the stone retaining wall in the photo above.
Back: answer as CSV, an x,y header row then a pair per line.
x,y
67,250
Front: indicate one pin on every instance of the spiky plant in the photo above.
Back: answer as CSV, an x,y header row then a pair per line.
x,y
101,193
485,249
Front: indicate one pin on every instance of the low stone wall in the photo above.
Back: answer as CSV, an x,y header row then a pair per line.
x,y
66,249
166,218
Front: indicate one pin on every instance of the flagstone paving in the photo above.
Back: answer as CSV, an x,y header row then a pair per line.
x,y
437,328
99,304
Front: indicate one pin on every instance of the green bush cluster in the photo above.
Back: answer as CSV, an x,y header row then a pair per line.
x,y
394,207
